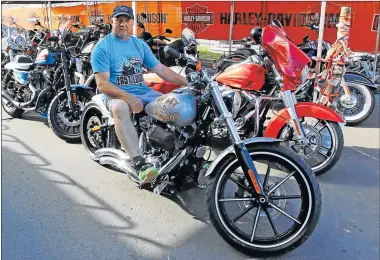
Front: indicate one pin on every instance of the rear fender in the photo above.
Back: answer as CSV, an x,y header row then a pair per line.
x,y
357,78
89,80
75,87
230,150
303,109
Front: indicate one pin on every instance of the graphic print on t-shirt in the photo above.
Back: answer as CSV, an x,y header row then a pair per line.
x,y
130,71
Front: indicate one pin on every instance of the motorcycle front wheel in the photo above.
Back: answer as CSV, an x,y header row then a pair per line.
x,y
324,147
359,107
271,225
65,123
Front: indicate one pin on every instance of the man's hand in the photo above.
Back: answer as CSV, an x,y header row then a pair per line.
x,y
135,104
169,75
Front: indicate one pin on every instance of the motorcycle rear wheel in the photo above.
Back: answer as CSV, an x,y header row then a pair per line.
x,y
280,242
10,109
362,106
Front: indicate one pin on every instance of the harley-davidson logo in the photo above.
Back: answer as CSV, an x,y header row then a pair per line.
x,y
197,18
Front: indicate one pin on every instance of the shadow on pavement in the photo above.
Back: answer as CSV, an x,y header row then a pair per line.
x,y
43,222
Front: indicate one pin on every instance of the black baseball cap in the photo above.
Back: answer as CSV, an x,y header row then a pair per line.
x,y
123,10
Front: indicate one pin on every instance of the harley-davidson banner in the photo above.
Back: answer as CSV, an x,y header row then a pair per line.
x,y
211,20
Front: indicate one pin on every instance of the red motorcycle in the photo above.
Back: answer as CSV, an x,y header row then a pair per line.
x,y
261,82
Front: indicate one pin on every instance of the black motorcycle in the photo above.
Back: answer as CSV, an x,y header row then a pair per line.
x,y
44,86
245,184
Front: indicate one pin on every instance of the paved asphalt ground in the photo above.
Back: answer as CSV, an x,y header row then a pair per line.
x,y
59,204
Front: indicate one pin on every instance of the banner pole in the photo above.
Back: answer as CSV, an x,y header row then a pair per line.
x,y
231,24
376,49
320,42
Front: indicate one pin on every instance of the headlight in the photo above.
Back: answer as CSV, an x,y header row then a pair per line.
x,y
19,41
304,74
234,99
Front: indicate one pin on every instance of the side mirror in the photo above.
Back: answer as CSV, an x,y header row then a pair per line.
x,y
168,31
141,25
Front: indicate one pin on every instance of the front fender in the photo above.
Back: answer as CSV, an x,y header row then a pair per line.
x,y
230,149
75,87
358,78
303,109
90,79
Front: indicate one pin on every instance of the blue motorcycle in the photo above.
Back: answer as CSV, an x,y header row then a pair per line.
x,y
44,86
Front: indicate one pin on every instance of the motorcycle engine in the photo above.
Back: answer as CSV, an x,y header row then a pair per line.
x,y
161,139
36,79
164,138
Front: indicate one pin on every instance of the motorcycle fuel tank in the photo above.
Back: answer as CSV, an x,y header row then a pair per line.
x,y
178,108
243,76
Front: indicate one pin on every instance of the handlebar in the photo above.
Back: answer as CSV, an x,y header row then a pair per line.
x,y
245,40
172,52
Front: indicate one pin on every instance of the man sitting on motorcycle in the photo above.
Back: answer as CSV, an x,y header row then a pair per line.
x,y
117,63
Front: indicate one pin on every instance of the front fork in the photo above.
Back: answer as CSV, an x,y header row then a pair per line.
x,y
347,94
71,97
290,100
241,150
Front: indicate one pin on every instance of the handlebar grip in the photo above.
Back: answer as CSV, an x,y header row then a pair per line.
x,y
172,52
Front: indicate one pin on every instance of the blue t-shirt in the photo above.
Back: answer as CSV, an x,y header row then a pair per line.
x,y
123,59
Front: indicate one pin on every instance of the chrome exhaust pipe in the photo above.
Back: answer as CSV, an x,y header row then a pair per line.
x,y
113,153
122,165
18,104
38,99
173,162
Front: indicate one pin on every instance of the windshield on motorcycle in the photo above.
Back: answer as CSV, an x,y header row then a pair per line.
x,y
287,57
64,24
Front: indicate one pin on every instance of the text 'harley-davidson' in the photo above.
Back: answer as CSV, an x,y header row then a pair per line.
x,y
262,198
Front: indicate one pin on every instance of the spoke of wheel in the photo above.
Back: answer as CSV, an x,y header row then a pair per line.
x,y
266,176
324,149
271,221
281,182
321,126
319,121
240,185
237,199
255,224
242,213
289,197
284,213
